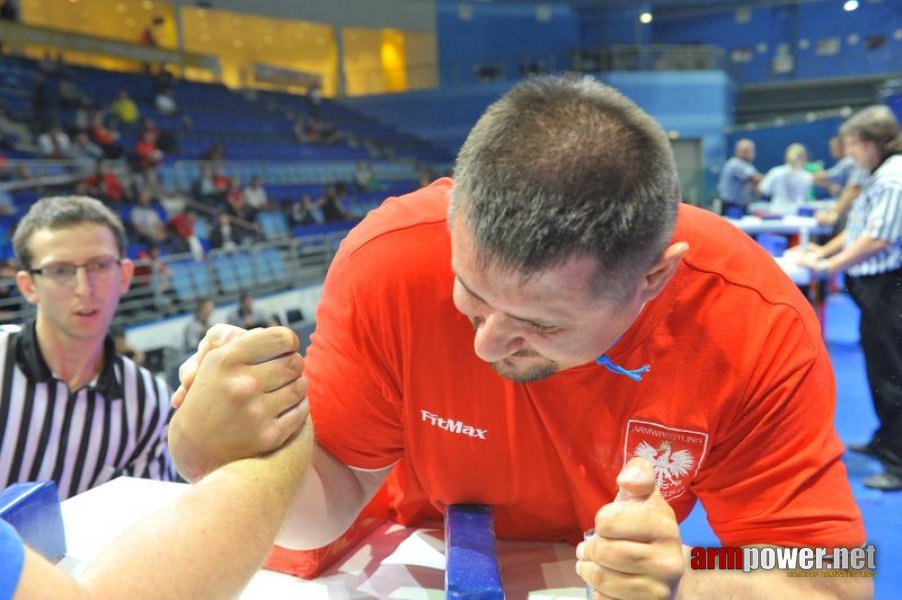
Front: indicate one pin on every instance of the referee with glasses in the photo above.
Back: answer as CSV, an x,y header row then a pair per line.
x,y
869,251
72,410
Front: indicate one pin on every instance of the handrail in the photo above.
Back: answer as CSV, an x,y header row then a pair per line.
x,y
17,36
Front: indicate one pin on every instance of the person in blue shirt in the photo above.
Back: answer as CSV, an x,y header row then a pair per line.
x,y
738,180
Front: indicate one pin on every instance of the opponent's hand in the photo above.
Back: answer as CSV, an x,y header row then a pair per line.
x,y
243,395
636,551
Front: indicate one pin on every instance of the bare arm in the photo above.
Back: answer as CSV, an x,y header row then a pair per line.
x,y
330,498
770,584
846,197
859,251
208,544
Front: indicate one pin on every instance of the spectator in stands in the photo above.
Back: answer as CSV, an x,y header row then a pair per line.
x,y
146,221
328,133
298,212
54,143
153,275
104,185
44,103
235,204
197,328
314,97
71,96
104,136
147,155
203,189
738,180
73,269
85,151
163,79
307,131
165,102
124,347
147,37
215,153
247,317
185,238
223,235
8,11
365,177
52,65
329,204
789,184
255,195
124,110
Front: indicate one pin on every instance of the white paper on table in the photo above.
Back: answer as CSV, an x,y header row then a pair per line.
x,y
423,548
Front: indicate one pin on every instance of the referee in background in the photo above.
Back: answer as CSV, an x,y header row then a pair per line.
x,y
738,182
72,409
869,251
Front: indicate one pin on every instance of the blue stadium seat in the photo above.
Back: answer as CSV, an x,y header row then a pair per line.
x,y
245,269
226,273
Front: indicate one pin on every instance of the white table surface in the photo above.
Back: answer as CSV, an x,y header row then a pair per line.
x,y
788,225
392,562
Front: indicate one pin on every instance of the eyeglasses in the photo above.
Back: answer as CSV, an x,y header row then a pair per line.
x,y
64,273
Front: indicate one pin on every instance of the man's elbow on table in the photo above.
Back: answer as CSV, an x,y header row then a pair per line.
x,y
330,497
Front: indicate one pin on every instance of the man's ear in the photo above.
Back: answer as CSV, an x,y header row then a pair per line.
x,y
26,286
128,271
663,270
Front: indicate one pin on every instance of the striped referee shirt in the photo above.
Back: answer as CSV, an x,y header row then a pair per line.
x,y
734,185
877,213
114,426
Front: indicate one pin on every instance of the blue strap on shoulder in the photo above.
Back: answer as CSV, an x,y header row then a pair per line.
x,y
635,374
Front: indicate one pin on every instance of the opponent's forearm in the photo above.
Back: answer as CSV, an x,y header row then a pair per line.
x,y
726,584
330,498
211,541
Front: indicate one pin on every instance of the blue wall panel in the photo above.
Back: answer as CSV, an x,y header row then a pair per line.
x,y
801,28
694,104
505,35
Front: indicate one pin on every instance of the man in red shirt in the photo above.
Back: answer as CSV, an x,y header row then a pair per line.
x,y
553,334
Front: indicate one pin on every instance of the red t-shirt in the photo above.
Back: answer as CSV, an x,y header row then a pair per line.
x,y
737,409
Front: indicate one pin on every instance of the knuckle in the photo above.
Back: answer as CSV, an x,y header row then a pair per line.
x,y
671,564
241,386
606,517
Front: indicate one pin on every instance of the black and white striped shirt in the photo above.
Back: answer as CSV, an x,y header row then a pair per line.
x,y
877,213
114,426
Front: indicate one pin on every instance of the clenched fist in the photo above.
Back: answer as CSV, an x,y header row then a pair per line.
x,y
636,551
241,395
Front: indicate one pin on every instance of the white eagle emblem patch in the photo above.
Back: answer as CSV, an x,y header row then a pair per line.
x,y
675,453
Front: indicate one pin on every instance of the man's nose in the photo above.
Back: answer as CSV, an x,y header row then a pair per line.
x,y
496,338
81,282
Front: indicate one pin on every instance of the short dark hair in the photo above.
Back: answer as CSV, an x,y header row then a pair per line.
x,y
57,212
562,167
875,124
